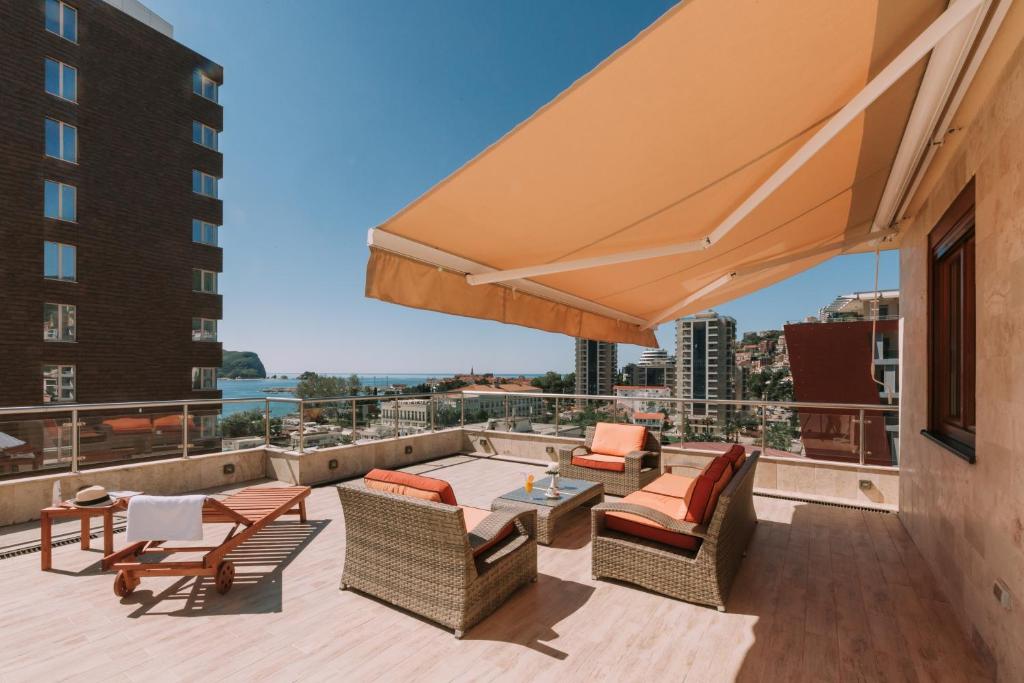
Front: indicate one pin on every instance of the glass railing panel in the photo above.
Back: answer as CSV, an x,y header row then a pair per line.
x,y
483,411
326,423
447,410
110,438
35,446
284,421
233,426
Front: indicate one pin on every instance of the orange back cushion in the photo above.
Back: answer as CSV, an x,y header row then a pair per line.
x,y
129,425
737,456
615,439
706,489
413,485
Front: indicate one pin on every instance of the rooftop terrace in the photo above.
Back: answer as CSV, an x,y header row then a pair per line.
x,y
825,593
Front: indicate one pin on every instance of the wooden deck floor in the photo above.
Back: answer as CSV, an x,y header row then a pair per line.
x,y
825,594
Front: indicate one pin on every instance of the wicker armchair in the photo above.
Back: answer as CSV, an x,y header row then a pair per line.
x,y
642,467
704,576
417,555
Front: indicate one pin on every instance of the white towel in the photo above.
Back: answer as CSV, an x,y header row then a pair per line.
x,y
165,518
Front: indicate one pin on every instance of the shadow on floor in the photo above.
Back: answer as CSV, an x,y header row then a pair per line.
x,y
530,616
259,568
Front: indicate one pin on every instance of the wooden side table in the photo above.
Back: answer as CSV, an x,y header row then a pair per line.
x,y
66,509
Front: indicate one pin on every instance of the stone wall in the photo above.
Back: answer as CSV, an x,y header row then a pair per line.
x,y
831,482
968,519
345,462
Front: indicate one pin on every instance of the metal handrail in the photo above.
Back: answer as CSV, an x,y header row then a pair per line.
x,y
128,405
77,409
675,399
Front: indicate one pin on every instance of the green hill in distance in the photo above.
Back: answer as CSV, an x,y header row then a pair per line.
x,y
242,365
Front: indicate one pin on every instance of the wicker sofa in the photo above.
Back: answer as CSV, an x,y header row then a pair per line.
x,y
702,574
418,555
631,470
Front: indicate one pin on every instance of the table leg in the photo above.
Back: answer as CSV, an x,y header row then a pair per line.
x,y
46,551
85,531
108,532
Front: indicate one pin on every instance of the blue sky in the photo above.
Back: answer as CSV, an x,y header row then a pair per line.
x,y
337,114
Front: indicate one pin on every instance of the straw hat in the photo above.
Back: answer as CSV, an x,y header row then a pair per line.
x,y
91,497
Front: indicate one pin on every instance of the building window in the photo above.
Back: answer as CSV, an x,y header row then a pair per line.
x,y
61,80
952,321
60,201
62,19
204,379
204,85
61,140
204,329
204,184
204,281
58,383
204,233
59,322
59,261
203,135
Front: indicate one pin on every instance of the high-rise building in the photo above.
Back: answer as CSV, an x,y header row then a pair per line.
x,y
706,367
596,364
108,171
655,368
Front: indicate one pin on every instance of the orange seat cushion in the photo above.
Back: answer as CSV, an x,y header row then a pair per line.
x,y
707,487
130,425
597,461
472,517
616,439
634,525
171,423
737,456
673,485
414,485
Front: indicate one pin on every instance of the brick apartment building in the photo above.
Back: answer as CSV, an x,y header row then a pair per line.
x,y
108,181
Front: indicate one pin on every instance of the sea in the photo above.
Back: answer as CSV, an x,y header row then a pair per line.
x,y
259,389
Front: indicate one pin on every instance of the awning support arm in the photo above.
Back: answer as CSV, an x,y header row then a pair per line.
x,y
762,266
911,55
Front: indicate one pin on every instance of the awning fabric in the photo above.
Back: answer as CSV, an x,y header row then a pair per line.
x,y
656,146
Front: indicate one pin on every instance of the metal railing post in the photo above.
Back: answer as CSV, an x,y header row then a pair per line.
x,y
266,424
355,421
74,442
398,404
557,416
184,431
433,406
860,438
506,412
764,427
302,426
462,410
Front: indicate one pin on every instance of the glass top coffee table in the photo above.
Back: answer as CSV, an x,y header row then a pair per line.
x,y
573,494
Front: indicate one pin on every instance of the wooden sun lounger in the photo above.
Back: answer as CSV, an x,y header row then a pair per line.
x,y
249,510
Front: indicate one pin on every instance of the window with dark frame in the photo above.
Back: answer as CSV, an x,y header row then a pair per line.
x,y
951,301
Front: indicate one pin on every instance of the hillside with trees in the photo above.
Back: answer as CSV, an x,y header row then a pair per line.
x,y
242,365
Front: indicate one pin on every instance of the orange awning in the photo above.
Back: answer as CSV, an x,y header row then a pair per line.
x,y
677,174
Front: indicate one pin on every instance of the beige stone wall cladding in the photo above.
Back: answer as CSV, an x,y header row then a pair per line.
x,y
355,460
968,520
22,499
824,481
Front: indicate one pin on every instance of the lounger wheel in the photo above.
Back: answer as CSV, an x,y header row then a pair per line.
x,y
225,577
124,584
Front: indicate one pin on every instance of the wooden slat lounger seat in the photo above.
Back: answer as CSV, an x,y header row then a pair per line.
x,y
247,511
